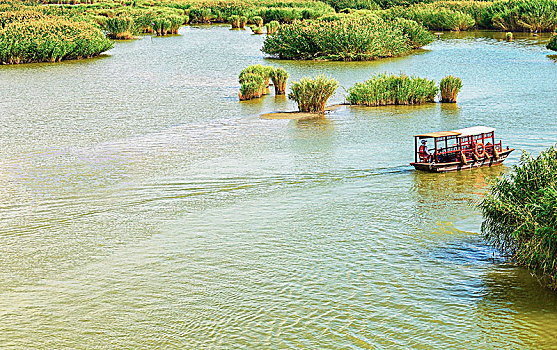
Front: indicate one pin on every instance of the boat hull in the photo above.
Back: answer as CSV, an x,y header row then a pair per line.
x,y
456,166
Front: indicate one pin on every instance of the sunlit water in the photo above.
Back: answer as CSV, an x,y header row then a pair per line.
x,y
143,206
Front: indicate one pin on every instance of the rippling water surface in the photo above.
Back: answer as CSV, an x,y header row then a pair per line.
x,y
143,206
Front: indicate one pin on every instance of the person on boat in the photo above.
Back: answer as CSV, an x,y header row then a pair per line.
x,y
425,154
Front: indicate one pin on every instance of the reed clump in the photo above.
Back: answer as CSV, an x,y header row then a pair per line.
x,y
234,20
122,28
509,36
384,89
254,81
258,21
242,21
520,217
552,44
279,77
256,29
450,86
252,86
50,39
311,94
272,27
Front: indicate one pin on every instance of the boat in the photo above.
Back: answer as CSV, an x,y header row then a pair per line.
x,y
458,150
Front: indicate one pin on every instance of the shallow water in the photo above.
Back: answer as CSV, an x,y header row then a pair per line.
x,y
143,206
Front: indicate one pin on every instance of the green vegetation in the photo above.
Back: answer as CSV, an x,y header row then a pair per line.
x,y
256,30
234,21
120,27
252,86
272,27
345,39
384,89
450,86
34,37
509,36
434,17
254,80
279,77
520,215
258,21
552,44
242,22
311,95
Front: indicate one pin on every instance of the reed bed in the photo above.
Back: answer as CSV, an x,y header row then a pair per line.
x,y
50,39
384,89
346,39
434,17
520,217
122,28
279,77
311,94
552,44
450,86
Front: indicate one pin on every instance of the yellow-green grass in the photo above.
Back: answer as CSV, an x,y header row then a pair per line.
x,y
311,94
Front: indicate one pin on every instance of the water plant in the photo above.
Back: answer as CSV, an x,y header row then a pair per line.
x,y
272,27
520,217
256,29
279,77
311,94
509,36
252,86
435,17
242,22
234,20
263,71
384,89
552,44
258,21
121,27
346,39
50,39
450,86
161,26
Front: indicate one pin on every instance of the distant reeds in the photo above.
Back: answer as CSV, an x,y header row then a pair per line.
x,y
311,94
384,89
279,77
346,39
450,86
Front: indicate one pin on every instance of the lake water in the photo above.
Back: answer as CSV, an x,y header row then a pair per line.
x,y
143,206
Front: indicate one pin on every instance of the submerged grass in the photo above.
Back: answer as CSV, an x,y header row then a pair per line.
x,y
520,216
384,89
311,94
450,86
